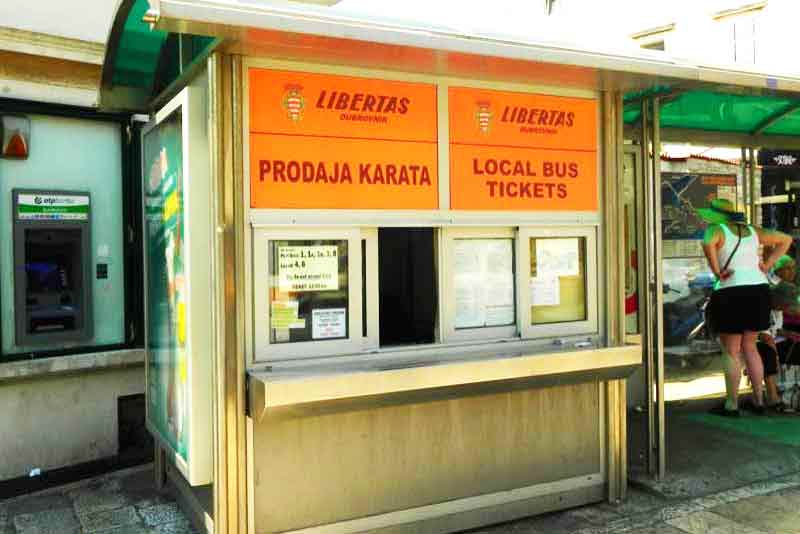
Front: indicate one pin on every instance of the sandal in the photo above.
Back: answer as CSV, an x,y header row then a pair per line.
x,y
755,409
780,408
723,411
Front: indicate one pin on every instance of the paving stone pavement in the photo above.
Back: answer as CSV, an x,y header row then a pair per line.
x,y
124,502
770,507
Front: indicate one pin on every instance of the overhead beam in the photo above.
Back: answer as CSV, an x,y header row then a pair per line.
x,y
775,117
711,138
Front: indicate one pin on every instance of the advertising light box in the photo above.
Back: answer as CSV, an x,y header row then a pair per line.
x,y
177,248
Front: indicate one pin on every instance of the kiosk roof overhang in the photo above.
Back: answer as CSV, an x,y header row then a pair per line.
x,y
727,103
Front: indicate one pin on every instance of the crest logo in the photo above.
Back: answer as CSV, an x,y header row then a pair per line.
x,y
294,102
483,115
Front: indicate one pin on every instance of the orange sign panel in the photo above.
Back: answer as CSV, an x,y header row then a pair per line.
x,y
518,151
342,173
324,141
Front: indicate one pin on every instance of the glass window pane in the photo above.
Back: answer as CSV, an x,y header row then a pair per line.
x,y
630,238
558,280
484,282
308,291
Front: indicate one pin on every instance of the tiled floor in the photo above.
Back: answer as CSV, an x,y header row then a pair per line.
x,y
125,502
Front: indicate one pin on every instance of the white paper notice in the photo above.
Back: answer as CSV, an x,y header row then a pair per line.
x,y
500,315
329,323
557,257
545,291
313,268
484,282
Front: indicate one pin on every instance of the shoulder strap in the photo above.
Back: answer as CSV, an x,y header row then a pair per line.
x,y
739,242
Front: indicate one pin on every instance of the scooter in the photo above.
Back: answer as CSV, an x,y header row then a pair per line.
x,y
684,318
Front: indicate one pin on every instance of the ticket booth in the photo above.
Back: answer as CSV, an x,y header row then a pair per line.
x,y
385,275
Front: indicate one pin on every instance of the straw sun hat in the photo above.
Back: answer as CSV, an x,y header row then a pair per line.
x,y
721,210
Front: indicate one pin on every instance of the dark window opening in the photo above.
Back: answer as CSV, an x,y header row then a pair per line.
x,y
407,286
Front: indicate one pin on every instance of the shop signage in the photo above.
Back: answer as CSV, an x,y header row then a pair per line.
x,y
323,141
313,268
520,151
53,207
779,158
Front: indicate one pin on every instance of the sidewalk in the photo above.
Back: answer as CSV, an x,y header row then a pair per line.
x,y
123,502
126,502
762,508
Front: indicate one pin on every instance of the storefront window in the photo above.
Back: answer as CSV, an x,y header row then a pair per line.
x,y
557,280
308,293
484,283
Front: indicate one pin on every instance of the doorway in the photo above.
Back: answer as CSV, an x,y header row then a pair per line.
x,y
676,447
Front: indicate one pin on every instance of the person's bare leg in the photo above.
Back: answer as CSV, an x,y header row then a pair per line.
x,y
772,390
755,368
732,351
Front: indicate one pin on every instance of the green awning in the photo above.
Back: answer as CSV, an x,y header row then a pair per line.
x,y
141,62
711,111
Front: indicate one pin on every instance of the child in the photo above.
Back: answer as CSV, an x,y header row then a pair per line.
x,y
784,294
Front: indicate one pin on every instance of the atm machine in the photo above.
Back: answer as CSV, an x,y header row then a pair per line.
x,y
52,266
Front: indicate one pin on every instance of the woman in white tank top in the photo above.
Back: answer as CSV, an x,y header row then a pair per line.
x,y
740,304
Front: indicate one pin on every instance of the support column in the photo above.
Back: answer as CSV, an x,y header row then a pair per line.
x,y
615,407
743,174
658,293
230,473
751,180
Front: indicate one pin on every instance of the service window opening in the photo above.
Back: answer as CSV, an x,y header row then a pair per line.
x,y
407,286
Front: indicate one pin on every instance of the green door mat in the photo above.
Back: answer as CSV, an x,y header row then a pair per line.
x,y
783,429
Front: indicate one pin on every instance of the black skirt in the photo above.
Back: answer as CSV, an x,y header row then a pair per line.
x,y
740,309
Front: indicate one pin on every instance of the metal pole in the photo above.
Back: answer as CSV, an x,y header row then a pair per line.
x,y
743,174
752,186
658,293
646,301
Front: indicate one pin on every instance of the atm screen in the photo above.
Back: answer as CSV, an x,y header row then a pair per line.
x,y
47,276
52,269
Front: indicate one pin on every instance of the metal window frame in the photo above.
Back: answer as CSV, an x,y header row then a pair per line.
x,y
447,293
131,188
263,349
588,326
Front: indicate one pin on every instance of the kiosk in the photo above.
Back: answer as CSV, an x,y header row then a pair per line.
x,y
416,278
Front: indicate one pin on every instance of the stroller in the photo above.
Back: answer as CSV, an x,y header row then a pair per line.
x,y
789,349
